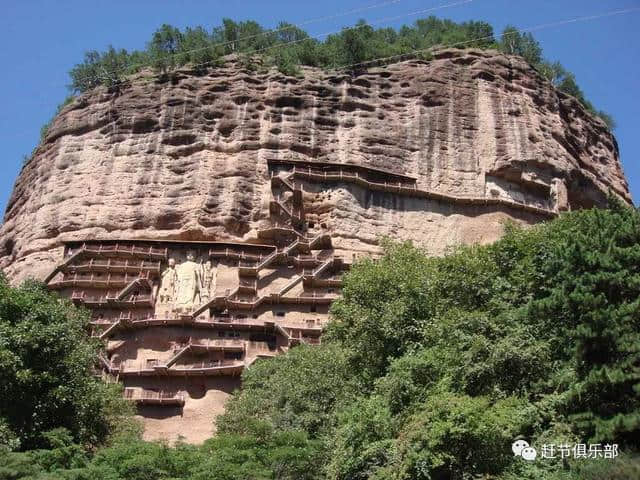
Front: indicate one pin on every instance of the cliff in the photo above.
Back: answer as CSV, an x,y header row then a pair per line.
x,y
206,222
187,159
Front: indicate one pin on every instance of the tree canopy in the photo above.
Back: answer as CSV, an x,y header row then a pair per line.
x,y
288,47
453,358
513,42
47,378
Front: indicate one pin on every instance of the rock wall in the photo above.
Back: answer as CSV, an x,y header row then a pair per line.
x,y
188,159
206,222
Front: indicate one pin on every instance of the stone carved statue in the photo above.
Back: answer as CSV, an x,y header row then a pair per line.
x,y
188,284
168,284
207,278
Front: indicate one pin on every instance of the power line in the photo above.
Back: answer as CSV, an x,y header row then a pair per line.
x,y
349,12
276,30
455,44
490,37
487,37
376,22
284,44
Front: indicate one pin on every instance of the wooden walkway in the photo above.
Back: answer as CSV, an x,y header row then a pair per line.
x,y
400,188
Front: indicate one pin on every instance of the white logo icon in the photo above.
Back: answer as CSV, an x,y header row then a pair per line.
x,y
522,449
529,453
518,446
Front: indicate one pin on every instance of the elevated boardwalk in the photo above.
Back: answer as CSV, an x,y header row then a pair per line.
x,y
154,397
367,172
202,368
120,281
383,181
97,280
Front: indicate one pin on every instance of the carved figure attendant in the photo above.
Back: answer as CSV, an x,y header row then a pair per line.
x,y
207,276
168,283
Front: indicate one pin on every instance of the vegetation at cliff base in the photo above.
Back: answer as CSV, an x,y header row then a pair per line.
x,y
47,378
288,47
430,368
453,358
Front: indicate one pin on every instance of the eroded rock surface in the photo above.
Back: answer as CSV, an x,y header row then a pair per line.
x,y
188,159
206,222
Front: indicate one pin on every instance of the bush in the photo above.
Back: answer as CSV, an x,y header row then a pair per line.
x,y
457,436
431,368
297,391
445,361
46,360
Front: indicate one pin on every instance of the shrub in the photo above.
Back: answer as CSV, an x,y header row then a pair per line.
x,y
46,360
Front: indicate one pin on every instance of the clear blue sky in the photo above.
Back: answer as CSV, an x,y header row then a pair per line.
x,y
41,40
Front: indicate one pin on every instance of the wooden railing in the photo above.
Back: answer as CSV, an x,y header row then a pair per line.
x,y
413,191
289,285
230,253
205,364
156,367
115,265
323,166
295,216
253,269
130,250
166,397
97,280
284,180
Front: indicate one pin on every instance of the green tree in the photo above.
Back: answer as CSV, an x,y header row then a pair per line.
x,y
86,75
287,62
114,64
276,391
252,37
264,454
432,366
197,49
565,81
46,361
108,68
363,440
164,48
513,42
353,47
456,436
355,44
382,308
595,299
227,34
289,33
480,34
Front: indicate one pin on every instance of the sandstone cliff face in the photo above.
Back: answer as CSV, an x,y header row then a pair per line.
x,y
187,160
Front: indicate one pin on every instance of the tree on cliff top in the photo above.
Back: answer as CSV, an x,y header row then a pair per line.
x,y
288,47
164,47
514,42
